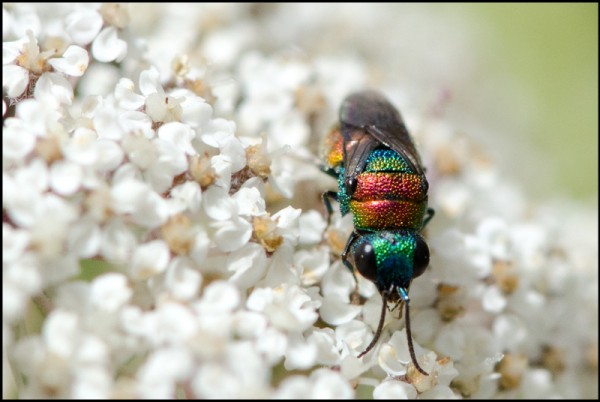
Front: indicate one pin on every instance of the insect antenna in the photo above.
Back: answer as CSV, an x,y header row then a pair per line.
x,y
411,349
384,296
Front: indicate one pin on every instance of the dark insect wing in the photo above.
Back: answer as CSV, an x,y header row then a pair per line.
x,y
368,112
358,145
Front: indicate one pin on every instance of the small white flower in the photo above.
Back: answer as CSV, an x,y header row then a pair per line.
x,y
125,95
73,62
110,291
288,223
217,203
311,226
219,297
54,89
173,323
14,242
17,140
15,80
108,47
313,264
493,300
179,135
327,384
249,201
327,348
84,238
300,354
149,259
451,340
337,310
230,235
61,333
288,309
65,177
393,389
182,280
163,370
247,265
83,25
118,241
249,324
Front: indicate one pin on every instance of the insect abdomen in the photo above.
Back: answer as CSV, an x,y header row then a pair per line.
x,y
388,195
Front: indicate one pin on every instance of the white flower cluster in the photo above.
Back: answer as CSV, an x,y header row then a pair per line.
x,y
150,249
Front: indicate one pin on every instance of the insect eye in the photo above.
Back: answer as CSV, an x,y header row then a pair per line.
x,y
421,257
366,263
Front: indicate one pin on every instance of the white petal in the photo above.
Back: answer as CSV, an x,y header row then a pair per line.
x,y
108,47
150,259
110,155
106,123
329,384
394,390
249,201
150,82
249,325
200,248
65,177
219,297
81,148
219,130
17,140
231,235
61,332
327,350
163,369
232,148
83,25
287,221
125,95
186,196
14,80
11,50
74,61
55,88
108,292
156,107
84,238
311,225
118,242
300,354
195,111
182,279
493,300
179,135
337,310
389,360
152,211
248,265
136,122
217,203
14,242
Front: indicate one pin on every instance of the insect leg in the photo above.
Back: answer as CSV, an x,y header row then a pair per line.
x,y
355,296
347,263
327,196
330,171
429,214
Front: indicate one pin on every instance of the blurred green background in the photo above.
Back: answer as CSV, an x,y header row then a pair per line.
x,y
551,50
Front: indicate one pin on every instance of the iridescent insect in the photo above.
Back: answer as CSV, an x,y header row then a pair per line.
x,y
382,183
